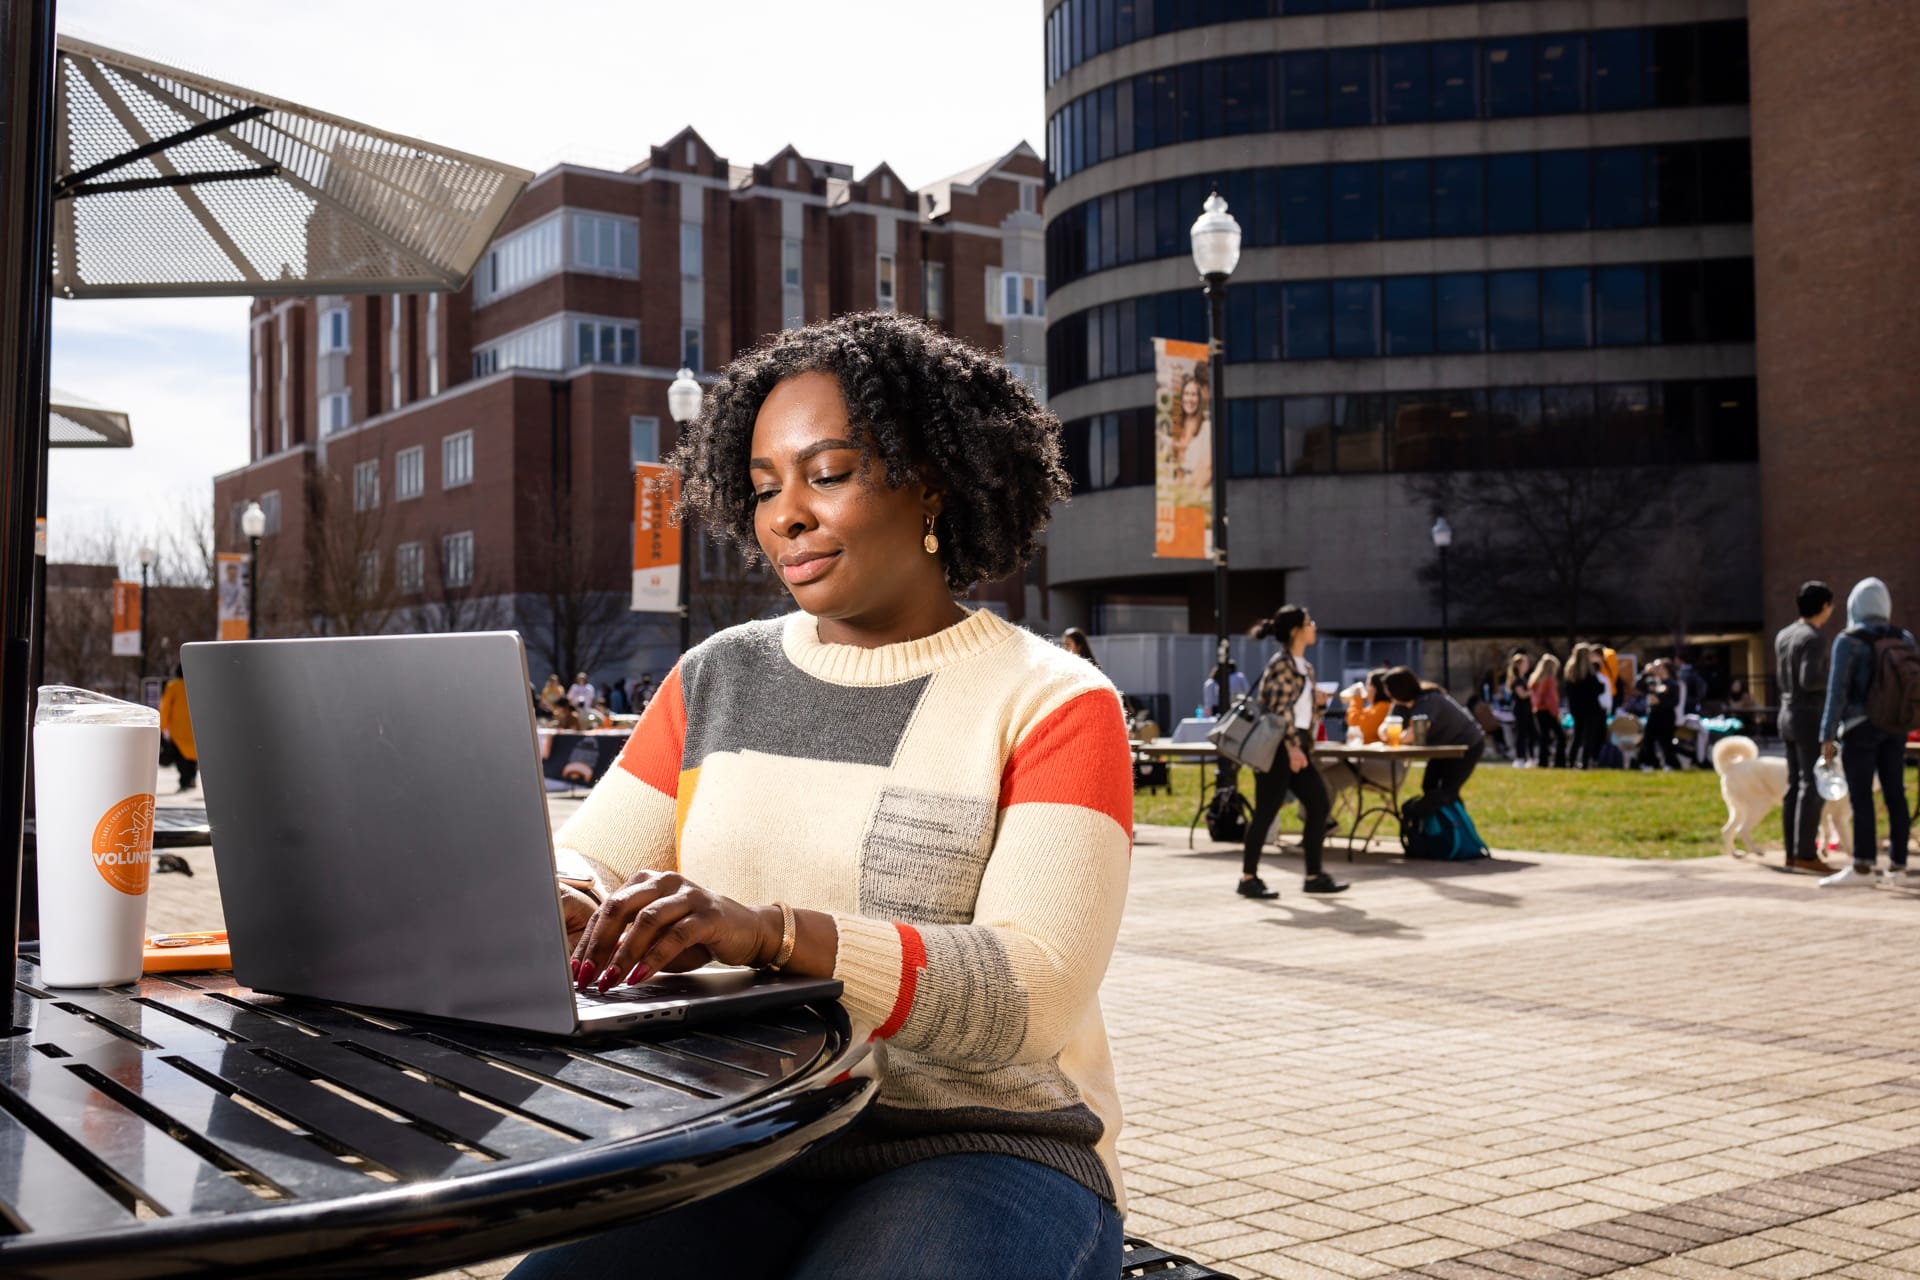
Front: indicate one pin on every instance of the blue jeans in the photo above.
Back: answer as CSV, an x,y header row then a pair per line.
x,y
959,1217
1864,753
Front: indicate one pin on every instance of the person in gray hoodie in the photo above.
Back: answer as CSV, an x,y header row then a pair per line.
x,y
1865,750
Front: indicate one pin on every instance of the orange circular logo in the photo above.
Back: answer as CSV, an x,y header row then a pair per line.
x,y
122,844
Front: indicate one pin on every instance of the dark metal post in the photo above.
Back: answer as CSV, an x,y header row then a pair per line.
x,y
1216,290
686,579
1446,654
143,621
26,247
253,589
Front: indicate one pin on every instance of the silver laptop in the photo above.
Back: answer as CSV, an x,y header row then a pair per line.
x,y
380,831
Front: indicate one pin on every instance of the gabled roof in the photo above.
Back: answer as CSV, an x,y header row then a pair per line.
x,y
937,197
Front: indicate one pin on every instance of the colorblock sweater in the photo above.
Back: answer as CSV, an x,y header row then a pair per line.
x,y
963,806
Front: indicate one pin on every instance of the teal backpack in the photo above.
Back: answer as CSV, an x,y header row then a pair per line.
x,y
1441,834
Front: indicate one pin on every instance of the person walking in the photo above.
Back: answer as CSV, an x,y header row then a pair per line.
x,y
1545,688
1872,661
176,728
1800,659
1519,666
1663,699
1286,690
1582,690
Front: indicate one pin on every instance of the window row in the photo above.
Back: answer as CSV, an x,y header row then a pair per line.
x,y
1686,64
565,342
1081,29
409,471
410,565
1497,428
1453,313
600,242
1519,193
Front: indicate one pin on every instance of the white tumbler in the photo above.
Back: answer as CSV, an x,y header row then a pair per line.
x,y
95,762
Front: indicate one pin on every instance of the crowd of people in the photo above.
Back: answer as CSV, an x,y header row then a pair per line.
x,y
581,706
1584,713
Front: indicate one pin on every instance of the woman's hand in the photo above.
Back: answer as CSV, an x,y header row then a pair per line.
x,y
1296,759
1828,750
659,921
576,909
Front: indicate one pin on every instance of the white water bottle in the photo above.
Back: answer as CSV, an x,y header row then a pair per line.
x,y
95,762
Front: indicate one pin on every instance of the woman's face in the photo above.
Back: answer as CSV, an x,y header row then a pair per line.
x,y
1190,399
1306,635
847,546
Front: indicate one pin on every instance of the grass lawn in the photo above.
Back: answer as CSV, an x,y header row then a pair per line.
x,y
1613,813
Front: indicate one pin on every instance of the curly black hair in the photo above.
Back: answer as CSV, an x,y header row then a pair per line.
x,y
930,406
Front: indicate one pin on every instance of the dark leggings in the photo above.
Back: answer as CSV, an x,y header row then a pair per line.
x,y
1269,793
1522,729
1444,778
1553,738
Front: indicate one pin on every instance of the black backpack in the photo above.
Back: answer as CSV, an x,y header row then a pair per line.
x,y
1227,815
1893,689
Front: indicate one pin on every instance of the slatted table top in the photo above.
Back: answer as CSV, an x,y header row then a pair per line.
x,y
188,1126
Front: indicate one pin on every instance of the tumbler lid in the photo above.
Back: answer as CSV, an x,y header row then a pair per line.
x,y
64,704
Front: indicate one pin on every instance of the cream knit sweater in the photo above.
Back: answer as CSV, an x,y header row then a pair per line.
x,y
963,806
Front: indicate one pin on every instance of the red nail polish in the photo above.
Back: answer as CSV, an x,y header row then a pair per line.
x,y
639,973
607,978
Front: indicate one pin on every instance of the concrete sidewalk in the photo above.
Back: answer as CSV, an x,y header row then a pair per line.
x,y
1541,1067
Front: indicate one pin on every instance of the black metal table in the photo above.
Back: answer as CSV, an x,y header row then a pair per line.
x,y
187,1126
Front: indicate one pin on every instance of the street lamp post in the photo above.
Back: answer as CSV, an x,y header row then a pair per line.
x,y
253,523
1442,539
1216,252
683,402
147,557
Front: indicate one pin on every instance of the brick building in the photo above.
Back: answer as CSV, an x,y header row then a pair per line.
x,y
445,461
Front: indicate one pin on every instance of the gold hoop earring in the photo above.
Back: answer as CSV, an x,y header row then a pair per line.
x,y
931,542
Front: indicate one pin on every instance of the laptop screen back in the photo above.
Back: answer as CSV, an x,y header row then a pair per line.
x,y
380,823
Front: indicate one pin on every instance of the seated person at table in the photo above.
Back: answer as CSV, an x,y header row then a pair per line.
x,y
924,802
1448,725
1343,775
565,718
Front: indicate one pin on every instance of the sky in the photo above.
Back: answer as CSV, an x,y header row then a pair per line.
x,y
930,88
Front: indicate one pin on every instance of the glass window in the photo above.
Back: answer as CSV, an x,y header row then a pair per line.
x,y
1563,190
1308,333
1511,187
1356,318
790,264
409,473
1434,430
1309,435
1355,190
934,282
1359,444
456,560
1406,90
1565,409
456,460
1213,98
1509,72
1456,197
883,283
1407,198
1513,426
1455,76
1266,321
1673,186
690,345
1616,72
643,439
1620,297
692,261
1619,187
1560,74
1303,204
1729,291
1187,80
1243,438
1268,460
1723,62
1460,312
1239,324
1670,76
1726,181
1679,302
1566,307
1513,311
1349,87
1303,77
1628,417
1142,90
1407,307
1123,232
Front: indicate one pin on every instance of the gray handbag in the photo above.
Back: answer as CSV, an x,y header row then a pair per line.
x,y
1249,734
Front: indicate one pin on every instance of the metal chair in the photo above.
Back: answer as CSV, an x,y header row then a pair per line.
x,y
1138,1258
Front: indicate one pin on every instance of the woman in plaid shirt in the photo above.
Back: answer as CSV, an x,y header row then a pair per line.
x,y
1286,690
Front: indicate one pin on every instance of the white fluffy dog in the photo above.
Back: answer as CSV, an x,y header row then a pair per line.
x,y
1753,786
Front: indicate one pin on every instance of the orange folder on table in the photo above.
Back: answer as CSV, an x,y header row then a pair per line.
x,y
175,952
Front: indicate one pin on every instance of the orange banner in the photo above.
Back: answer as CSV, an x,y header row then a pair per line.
x,y
1182,452
656,543
230,583
126,619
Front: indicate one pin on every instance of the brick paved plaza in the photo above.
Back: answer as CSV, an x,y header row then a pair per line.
x,y
1539,1068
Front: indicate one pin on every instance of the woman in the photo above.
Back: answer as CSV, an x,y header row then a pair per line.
x,y
1544,687
1195,441
1379,706
1286,690
1448,724
1075,642
1583,688
552,694
1237,688
1521,696
927,804
176,728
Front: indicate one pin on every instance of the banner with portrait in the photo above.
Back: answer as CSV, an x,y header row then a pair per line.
x,y
231,578
1182,452
656,543
126,619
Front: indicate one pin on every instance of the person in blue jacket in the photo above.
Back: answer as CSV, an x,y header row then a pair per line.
x,y
1865,749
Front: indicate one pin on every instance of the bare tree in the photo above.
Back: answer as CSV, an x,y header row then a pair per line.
x,y
349,587
731,589
578,620
77,635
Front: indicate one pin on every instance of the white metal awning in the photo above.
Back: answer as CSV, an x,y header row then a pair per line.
x,y
74,422
172,184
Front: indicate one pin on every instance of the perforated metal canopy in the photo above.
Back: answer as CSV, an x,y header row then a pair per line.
x,y
172,184
74,422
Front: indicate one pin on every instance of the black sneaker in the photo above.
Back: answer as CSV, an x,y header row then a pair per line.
x,y
1323,884
1255,887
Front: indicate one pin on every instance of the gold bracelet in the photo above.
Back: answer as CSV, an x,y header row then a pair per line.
x,y
788,937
